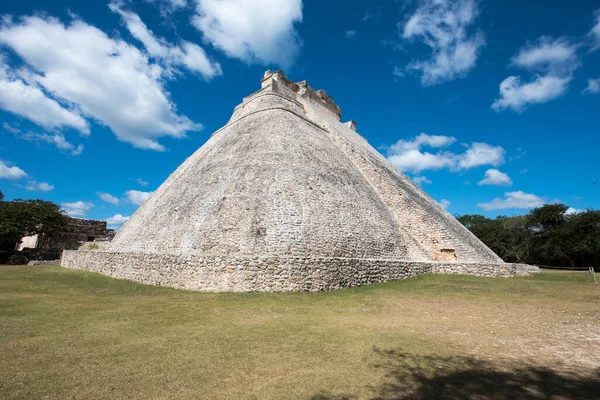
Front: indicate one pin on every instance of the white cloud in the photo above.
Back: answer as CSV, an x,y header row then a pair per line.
x,y
595,32
77,208
407,156
108,79
141,182
420,179
444,203
116,221
14,172
371,15
417,161
35,186
399,72
56,139
481,154
495,178
446,27
516,199
136,197
172,4
593,86
188,55
556,56
350,33
517,95
29,101
423,139
573,211
255,31
109,198
552,61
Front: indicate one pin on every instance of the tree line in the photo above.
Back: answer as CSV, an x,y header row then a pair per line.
x,y
20,218
547,235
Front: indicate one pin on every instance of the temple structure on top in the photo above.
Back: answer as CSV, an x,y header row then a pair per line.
x,y
287,197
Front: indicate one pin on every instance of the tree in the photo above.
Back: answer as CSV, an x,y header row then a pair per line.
x,y
582,239
1,196
545,236
20,218
505,236
548,231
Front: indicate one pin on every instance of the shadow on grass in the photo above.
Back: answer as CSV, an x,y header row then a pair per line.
x,y
430,377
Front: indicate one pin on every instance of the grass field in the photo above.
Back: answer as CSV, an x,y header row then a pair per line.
x,y
68,334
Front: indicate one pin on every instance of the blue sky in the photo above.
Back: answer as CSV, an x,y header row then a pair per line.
x,y
492,106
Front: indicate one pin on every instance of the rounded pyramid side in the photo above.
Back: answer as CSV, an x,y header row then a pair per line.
x,y
430,227
269,183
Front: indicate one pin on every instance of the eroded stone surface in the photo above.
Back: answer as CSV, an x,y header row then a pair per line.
x,y
264,274
286,197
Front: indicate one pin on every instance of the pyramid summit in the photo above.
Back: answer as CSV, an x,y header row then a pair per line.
x,y
287,197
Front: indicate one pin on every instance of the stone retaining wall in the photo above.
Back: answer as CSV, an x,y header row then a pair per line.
x,y
44,262
263,274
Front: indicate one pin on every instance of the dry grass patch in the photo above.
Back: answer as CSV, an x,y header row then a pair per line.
x,y
72,334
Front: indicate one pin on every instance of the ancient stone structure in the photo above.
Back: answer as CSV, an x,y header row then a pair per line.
x,y
45,247
78,232
286,197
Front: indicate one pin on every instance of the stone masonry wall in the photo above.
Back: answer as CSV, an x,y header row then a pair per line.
x,y
263,274
433,230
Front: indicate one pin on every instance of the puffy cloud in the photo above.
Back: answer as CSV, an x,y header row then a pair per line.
x,y
556,56
188,55
350,33
518,95
481,154
423,139
416,161
573,211
420,179
107,79
116,221
109,198
255,31
593,86
56,139
29,101
35,186
495,178
444,203
136,197
408,156
13,172
516,199
446,27
77,208
552,61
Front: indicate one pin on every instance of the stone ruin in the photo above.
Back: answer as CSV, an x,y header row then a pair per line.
x,y
44,249
285,197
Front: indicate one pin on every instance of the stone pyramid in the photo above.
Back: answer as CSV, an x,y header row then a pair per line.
x,y
286,197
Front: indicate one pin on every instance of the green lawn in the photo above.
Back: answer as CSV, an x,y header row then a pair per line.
x,y
68,334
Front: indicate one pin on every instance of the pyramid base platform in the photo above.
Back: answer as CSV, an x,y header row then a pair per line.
x,y
212,273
